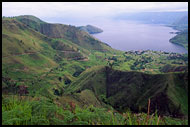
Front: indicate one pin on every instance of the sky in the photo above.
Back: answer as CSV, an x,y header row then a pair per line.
x,y
85,10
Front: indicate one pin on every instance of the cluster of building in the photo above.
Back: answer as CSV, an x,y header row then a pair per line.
x,y
139,52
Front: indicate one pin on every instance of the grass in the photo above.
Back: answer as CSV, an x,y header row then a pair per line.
x,y
125,89
42,72
40,111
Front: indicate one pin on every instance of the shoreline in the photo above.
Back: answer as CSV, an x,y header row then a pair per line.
x,y
177,33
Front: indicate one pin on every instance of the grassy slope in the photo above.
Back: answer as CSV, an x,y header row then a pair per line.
x,y
43,111
41,71
67,32
19,39
46,54
124,89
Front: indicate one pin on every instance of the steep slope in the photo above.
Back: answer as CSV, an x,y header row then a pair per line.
x,y
19,40
67,32
32,59
168,92
28,56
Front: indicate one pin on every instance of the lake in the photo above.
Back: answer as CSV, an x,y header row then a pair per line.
x,y
131,35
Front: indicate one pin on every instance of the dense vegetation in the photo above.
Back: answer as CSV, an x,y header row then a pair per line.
x,y
40,111
56,74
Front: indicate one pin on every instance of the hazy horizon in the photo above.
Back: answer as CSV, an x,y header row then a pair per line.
x,y
86,11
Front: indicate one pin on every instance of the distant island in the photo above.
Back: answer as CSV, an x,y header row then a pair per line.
x,y
90,29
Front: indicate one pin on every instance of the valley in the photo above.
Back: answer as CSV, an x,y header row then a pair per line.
x,y
58,74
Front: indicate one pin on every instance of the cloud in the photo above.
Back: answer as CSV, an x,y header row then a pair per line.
x,y
86,9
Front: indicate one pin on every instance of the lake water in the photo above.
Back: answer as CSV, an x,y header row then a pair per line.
x,y
131,35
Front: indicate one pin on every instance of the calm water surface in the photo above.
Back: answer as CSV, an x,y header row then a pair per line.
x,y
131,35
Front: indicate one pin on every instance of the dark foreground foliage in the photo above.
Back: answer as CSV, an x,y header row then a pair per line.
x,y
41,111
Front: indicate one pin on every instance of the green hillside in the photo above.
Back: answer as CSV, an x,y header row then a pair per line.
x,y
56,74
67,32
25,47
131,90
28,55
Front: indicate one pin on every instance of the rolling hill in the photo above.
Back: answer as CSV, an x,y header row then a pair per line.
x,y
29,55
